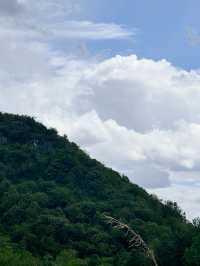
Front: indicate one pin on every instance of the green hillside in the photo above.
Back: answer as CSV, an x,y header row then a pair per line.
x,y
53,197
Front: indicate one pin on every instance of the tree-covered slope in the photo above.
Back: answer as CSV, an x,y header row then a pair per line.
x,y
53,195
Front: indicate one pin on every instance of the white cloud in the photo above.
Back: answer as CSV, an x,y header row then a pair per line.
x,y
157,91
90,30
51,20
89,130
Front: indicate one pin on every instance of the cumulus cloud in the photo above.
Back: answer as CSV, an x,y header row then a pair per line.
x,y
163,93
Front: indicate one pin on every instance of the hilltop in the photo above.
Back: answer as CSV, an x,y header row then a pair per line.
x,y
53,195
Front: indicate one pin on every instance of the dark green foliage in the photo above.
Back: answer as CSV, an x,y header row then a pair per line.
x,y
53,195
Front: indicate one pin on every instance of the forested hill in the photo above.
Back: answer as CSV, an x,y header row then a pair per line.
x,y
53,195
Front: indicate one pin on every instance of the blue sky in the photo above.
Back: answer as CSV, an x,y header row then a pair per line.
x,y
120,78
161,28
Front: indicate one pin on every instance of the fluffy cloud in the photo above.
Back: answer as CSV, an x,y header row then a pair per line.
x,y
160,93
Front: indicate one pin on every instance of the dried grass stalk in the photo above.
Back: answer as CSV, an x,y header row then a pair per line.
x,y
134,239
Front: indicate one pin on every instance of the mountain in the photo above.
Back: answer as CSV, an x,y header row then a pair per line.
x,y
53,197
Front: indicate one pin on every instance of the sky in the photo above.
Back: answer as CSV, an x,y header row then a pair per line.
x,y
120,78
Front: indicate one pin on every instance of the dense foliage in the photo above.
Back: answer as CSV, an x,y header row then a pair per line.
x,y
53,195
